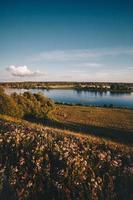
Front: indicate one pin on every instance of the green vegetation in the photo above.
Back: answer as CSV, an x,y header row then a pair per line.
x,y
104,87
27,106
8,106
92,86
120,88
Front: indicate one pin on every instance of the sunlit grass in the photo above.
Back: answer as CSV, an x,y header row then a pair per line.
x,y
120,119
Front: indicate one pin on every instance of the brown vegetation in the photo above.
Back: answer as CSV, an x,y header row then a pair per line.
x,y
119,119
38,163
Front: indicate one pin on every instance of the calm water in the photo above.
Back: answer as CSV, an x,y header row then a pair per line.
x,y
83,97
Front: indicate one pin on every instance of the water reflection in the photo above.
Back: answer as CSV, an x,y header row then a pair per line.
x,y
84,97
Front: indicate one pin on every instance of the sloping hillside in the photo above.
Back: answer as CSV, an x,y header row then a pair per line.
x,y
38,162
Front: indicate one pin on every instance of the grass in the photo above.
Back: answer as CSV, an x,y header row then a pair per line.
x,y
37,126
119,119
38,162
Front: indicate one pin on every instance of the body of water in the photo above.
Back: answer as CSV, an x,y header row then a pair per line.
x,y
83,97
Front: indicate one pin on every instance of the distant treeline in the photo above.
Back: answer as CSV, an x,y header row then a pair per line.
x,y
27,106
93,86
114,87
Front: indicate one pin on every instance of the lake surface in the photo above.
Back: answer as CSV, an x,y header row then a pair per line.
x,y
83,97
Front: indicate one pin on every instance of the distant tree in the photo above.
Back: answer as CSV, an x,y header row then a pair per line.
x,y
113,87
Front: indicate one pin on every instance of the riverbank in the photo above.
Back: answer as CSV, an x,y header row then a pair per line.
x,y
93,106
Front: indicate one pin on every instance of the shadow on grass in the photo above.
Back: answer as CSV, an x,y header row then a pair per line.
x,y
120,136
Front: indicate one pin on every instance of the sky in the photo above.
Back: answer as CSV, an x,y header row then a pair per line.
x,y
66,40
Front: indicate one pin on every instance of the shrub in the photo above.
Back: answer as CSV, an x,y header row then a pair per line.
x,y
8,106
27,105
33,105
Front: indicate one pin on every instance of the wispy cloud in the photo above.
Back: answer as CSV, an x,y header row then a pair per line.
x,y
22,71
91,64
79,54
75,71
85,65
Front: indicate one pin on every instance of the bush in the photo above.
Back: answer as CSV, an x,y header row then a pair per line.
x,y
27,105
8,106
1,90
34,106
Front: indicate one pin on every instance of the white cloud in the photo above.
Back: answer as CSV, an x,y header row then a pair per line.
x,y
22,71
79,54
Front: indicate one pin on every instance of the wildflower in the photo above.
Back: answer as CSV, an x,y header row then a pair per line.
x,y
30,184
1,140
102,156
22,161
115,163
16,169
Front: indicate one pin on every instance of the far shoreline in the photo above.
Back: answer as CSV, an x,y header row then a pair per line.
x,y
89,86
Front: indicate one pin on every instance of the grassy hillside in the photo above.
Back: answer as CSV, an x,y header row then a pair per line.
x,y
120,119
110,123
38,162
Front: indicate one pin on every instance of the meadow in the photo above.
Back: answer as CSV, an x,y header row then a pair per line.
x,y
115,118
110,123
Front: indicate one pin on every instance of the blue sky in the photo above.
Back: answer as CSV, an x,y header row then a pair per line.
x,y
66,40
